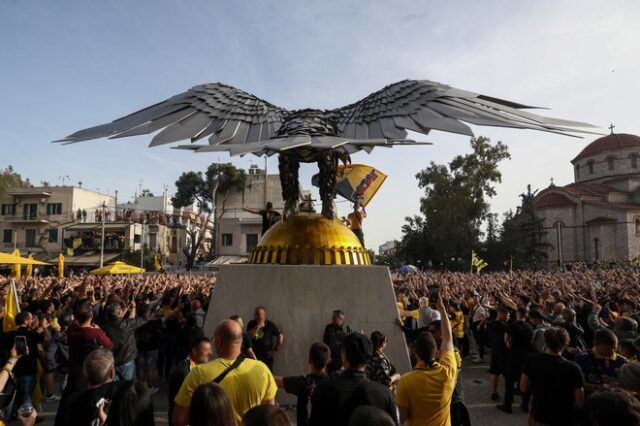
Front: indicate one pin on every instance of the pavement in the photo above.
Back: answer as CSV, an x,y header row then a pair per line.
x,y
477,395
477,391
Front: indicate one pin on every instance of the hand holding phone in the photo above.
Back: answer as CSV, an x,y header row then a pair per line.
x,y
21,345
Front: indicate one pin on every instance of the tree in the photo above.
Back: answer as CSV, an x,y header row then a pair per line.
x,y
132,257
9,178
204,191
522,233
454,204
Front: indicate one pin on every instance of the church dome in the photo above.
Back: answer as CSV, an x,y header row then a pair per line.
x,y
612,142
310,239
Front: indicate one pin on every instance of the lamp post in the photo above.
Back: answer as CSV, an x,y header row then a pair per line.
x,y
102,235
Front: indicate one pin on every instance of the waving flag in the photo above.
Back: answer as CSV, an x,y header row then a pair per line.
x,y
477,263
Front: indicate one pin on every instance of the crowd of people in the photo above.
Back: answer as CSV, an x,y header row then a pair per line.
x,y
564,344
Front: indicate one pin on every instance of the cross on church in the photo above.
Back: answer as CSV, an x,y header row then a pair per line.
x,y
611,128
307,204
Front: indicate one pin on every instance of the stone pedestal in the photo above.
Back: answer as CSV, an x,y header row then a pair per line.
x,y
300,300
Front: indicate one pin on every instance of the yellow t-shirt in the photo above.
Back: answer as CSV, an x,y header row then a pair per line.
x,y
247,386
457,325
426,392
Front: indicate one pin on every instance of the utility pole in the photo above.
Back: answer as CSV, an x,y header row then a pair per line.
x,y
559,237
142,246
102,235
266,174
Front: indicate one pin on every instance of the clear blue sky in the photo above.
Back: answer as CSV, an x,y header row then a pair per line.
x,y
71,64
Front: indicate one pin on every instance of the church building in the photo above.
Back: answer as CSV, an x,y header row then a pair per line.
x,y
596,218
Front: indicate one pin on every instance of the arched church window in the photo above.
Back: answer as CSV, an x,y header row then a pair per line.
x,y
634,161
577,171
590,165
611,162
596,248
638,226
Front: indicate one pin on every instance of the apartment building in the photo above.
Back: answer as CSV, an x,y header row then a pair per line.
x,y
34,219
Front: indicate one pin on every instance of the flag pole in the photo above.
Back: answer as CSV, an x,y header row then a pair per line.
x,y
15,293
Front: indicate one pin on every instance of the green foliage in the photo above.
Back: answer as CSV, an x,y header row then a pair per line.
x,y
522,232
205,190
199,188
9,178
132,257
454,205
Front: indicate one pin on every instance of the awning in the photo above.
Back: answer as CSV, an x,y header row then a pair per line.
x,y
87,259
97,226
118,268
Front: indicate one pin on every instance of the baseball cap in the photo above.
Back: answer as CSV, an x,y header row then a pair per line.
x,y
358,348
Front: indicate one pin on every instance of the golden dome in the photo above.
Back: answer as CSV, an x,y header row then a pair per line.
x,y
310,239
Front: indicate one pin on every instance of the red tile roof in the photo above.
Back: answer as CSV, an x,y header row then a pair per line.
x,y
553,199
610,142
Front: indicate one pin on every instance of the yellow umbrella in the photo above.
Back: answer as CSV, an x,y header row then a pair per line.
x,y
17,268
9,259
117,268
60,265
30,267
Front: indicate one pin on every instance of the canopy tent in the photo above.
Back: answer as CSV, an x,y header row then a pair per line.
x,y
9,259
118,268
407,269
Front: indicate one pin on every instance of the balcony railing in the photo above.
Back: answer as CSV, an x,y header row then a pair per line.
x,y
29,217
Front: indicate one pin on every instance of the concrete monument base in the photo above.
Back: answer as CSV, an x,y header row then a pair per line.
x,y
301,299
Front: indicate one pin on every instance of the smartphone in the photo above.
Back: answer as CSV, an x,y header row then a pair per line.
x,y
433,293
21,345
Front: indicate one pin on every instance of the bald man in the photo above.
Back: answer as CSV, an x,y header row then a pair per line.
x,y
247,382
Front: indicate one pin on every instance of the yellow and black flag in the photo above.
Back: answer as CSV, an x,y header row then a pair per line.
x,y
157,262
477,263
356,182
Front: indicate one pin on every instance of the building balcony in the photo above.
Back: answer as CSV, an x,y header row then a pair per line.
x,y
26,218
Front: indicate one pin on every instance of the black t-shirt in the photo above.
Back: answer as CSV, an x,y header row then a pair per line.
x,y
333,337
302,387
335,399
553,381
521,334
497,329
26,365
80,409
246,344
148,336
264,340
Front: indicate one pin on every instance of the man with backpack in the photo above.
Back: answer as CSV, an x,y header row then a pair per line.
x,y
247,382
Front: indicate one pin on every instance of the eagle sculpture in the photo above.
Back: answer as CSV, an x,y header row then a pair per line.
x,y
238,122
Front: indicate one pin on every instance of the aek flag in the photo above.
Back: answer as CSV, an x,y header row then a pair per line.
x,y
11,309
17,268
30,267
158,262
60,265
356,182
477,263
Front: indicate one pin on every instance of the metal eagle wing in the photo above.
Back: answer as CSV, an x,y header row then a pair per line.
x,y
422,105
222,113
